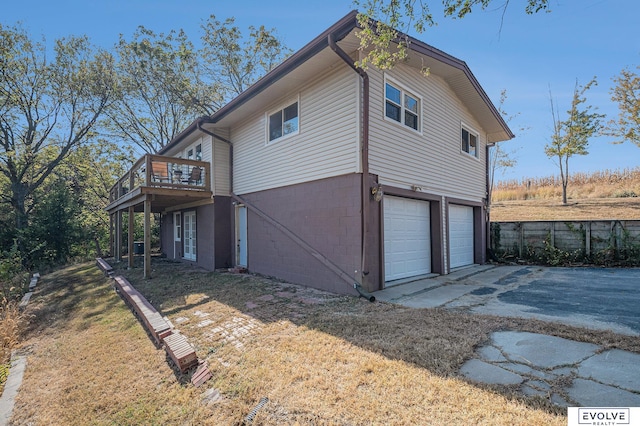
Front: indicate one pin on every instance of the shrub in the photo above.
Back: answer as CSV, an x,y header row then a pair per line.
x,y
624,193
13,277
10,317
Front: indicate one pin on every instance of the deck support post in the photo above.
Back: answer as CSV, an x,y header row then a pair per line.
x,y
111,236
130,236
118,247
147,237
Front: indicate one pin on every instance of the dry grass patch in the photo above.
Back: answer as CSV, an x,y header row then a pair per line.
x,y
11,322
327,359
90,362
603,195
319,358
582,209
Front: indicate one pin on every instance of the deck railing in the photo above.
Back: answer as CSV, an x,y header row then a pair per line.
x,y
157,171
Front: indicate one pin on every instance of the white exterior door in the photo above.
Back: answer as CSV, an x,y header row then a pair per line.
x,y
241,236
189,235
407,238
460,236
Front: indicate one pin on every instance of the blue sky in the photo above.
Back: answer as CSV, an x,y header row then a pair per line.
x,y
527,56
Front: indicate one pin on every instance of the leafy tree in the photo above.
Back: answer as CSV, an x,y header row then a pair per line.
x,y
499,158
159,81
47,110
54,227
571,136
91,172
627,94
166,83
380,20
13,276
234,64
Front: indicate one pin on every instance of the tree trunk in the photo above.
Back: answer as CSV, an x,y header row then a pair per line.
x,y
18,202
98,248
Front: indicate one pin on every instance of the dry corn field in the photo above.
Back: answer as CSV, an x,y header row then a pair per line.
x,y
604,195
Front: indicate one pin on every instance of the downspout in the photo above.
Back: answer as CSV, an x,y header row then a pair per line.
x,y
364,159
227,141
488,249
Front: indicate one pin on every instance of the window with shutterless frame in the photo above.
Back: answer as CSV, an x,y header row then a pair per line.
x,y
401,105
469,141
283,122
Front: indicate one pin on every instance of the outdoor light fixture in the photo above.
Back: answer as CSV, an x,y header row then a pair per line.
x,y
376,192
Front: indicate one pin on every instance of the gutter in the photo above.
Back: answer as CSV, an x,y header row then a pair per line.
x,y
364,154
488,201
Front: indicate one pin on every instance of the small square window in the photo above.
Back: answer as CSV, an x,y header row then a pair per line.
x,y
402,107
469,142
283,122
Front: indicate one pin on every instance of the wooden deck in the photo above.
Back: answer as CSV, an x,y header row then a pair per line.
x,y
167,180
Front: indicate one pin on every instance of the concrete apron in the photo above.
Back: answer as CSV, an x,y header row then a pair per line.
x,y
566,372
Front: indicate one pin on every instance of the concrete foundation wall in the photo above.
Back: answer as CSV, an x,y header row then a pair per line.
x,y
325,214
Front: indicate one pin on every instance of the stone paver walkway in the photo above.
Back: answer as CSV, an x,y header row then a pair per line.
x,y
567,372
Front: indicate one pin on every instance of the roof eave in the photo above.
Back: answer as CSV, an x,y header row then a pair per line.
x,y
339,30
430,51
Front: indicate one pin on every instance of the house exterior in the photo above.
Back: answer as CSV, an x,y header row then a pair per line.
x,y
330,176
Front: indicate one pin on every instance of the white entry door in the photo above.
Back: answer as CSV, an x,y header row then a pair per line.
x,y
460,236
241,236
407,238
189,235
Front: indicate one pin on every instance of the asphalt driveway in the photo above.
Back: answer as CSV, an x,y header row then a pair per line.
x,y
599,298
607,295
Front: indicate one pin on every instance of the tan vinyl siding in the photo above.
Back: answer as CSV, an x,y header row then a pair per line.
x,y
220,171
207,152
326,145
432,160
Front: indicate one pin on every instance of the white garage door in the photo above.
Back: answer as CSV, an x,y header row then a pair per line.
x,y
407,238
460,235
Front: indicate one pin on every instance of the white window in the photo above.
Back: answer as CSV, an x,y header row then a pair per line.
x,y
469,141
402,106
199,152
283,122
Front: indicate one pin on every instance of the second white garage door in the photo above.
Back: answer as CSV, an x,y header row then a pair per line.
x,y
460,235
407,238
